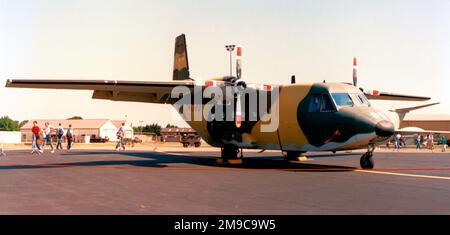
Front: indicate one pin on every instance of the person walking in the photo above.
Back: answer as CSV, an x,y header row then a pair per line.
x,y
69,135
418,142
431,142
48,137
36,134
444,144
59,135
120,138
397,142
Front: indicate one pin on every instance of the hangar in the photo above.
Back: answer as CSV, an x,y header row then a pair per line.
x,y
428,122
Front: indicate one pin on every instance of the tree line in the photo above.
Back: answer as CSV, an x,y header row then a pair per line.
x,y
7,124
153,128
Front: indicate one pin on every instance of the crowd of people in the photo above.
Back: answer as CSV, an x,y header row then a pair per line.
x,y
44,136
420,141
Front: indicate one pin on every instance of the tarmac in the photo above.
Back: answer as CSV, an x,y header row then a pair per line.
x,y
170,180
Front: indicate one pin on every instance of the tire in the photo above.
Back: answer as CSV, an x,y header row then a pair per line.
x,y
292,155
367,161
229,152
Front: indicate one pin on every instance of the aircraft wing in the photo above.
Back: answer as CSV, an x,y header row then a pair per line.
x,y
379,95
137,91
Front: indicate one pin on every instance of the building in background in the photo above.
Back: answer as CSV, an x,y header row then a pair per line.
x,y
10,137
128,129
428,122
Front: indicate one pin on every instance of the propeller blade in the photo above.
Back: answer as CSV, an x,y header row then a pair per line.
x,y
238,62
355,75
238,118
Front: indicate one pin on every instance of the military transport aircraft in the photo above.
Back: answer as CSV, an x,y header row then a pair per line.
x,y
321,116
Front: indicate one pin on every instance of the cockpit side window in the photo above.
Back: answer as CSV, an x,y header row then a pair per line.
x,y
342,99
363,99
327,104
314,103
359,99
320,103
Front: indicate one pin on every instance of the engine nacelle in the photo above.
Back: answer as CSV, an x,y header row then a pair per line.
x,y
240,86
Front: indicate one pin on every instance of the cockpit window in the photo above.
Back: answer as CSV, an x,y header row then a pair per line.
x,y
363,99
327,104
320,103
342,99
360,99
314,103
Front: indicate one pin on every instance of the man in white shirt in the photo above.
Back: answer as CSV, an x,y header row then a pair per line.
x,y
120,138
48,136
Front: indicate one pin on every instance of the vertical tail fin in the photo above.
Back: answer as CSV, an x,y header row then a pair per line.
x,y
180,64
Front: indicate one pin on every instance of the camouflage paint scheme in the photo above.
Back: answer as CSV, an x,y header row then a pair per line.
x,y
300,130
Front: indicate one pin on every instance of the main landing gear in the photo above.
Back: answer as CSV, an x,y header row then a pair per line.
x,y
367,158
229,154
294,156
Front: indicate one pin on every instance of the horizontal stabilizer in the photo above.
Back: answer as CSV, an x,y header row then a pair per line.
x,y
408,109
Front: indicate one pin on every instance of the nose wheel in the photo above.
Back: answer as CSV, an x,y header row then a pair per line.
x,y
366,160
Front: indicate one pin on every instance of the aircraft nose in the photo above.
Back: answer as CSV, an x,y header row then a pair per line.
x,y
384,128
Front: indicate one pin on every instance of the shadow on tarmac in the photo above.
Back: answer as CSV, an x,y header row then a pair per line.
x,y
161,160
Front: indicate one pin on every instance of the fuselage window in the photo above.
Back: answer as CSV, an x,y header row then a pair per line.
x,y
342,99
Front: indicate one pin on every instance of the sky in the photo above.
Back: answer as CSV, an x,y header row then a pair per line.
x,y
402,46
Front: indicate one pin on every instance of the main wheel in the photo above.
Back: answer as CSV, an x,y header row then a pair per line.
x,y
366,161
292,155
230,152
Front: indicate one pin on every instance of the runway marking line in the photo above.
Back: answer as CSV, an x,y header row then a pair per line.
x,y
402,174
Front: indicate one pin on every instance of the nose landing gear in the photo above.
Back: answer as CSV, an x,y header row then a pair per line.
x,y
366,160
